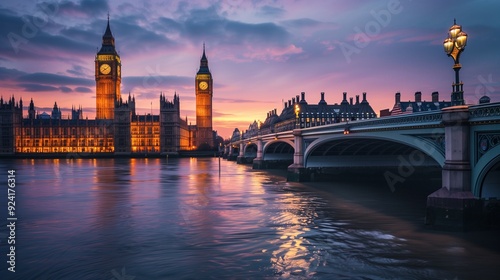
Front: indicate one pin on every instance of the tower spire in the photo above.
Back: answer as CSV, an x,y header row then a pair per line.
x,y
107,38
203,62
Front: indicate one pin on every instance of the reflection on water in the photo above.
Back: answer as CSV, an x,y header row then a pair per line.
x,y
159,219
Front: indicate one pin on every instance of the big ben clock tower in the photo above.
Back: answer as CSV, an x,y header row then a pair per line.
x,y
204,92
107,77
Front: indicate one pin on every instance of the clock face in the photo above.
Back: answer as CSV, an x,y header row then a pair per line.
x,y
105,69
203,85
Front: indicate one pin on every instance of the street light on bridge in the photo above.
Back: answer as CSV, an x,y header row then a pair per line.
x,y
454,45
297,111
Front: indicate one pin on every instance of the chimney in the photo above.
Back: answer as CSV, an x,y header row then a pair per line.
x,y
302,96
286,105
418,96
357,99
435,97
350,100
345,96
297,98
322,96
364,97
398,97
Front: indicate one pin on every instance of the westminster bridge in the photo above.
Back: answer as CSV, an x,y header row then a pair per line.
x,y
464,141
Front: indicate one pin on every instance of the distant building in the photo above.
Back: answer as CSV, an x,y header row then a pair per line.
x,y
417,105
117,128
297,112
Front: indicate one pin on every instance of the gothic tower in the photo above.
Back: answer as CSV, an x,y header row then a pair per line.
x,y
107,77
204,92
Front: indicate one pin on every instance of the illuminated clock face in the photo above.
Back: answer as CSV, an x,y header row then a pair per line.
x,y
203,85
105,69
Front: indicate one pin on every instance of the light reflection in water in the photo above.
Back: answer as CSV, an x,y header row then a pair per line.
x,y
179,219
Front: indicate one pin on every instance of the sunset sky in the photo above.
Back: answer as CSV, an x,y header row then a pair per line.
x,y
259,52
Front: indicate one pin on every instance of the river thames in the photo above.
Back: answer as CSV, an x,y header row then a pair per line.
x,y
187,219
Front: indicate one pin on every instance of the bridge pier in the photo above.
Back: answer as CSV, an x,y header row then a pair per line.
x,y
454,207
297,172
241,157
225,155
258,162
231,156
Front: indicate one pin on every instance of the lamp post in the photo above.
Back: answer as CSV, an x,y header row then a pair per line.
x,y
297,111
347,128
454,45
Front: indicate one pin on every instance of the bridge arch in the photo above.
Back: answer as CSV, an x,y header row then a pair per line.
x,y
278,150
486,174
327,149
250,150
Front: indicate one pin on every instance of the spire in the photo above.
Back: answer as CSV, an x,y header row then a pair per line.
x,y
204,63
108,41
203,57
107,38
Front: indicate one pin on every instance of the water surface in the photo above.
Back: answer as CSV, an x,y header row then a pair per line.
x,y
185,219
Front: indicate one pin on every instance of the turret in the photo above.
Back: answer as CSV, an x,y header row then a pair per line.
x,y
344,98
31,110
322,100
364,98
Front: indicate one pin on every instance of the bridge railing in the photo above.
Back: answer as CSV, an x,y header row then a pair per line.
x,y
420,118
484,111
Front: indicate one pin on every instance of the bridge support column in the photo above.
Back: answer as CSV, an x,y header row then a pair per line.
x,y
241,158
454,207
258,162
226,152
297,171
231,156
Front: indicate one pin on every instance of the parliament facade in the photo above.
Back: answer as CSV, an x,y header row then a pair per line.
x,y
117,128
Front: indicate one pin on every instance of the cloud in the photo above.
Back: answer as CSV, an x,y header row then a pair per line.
x,y
10,74
37,87
236,38
236,100
273,53
156,81
302,23
77,70
65,89
39,82
271,11
84,8
55,79
83,90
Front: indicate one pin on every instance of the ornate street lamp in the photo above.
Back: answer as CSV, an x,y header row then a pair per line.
x,y
297,111
454,45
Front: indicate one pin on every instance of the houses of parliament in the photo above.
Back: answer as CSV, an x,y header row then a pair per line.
x,y
117,129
